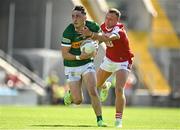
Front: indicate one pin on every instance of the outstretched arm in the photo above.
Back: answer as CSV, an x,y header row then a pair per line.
x,y
99,36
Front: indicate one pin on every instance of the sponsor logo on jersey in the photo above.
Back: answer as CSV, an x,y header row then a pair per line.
x,y
76,44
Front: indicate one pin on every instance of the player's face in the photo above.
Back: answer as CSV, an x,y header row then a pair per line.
x,y
78,19
111,20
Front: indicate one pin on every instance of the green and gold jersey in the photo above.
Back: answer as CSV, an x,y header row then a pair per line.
x,y
72,39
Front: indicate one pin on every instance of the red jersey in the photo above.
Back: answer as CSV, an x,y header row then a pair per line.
x,y
120,51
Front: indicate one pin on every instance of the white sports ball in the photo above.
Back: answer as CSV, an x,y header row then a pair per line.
x,y
88,46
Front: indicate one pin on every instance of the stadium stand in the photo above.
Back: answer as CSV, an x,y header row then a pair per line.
x,y
32,86
148,69
163,33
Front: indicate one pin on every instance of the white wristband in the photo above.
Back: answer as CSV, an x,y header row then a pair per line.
x,y
78,58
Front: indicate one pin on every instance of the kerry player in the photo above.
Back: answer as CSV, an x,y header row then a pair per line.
x,y
79,66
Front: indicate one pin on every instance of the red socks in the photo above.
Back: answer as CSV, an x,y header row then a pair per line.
x,y
118,115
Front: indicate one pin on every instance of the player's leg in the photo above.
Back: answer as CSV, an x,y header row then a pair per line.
x,y
73,75
120,101
90,82
102,76
74,95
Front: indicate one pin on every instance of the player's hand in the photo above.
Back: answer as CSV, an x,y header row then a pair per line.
x,y
85,31
109,44
85,55
95,53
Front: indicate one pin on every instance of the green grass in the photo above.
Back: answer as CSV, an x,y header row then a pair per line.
x,y
83,118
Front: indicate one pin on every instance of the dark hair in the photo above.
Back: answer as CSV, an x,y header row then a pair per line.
x,y
80,8
115,11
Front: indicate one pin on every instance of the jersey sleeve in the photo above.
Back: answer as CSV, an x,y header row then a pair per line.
x,y
93,26
66,39
97,28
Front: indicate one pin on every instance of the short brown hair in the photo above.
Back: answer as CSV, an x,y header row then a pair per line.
x,y
115,11
80,8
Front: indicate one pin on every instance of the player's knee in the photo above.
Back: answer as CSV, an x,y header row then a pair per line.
x,y
120,90
93,93
77,101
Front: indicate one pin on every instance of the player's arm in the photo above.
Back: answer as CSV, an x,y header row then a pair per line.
x,y
104,37
68,56
65,48
100,36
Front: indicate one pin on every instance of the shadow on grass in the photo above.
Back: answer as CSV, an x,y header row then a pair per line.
x,y
63,126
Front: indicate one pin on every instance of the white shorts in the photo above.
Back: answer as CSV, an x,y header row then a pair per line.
x,y
75,73
111,66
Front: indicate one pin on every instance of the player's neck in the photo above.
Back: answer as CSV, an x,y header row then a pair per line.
x,y
109,29
78,29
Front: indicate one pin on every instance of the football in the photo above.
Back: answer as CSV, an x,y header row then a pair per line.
x,y
88,46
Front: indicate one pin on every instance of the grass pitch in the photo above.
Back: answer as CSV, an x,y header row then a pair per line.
x,y
83,118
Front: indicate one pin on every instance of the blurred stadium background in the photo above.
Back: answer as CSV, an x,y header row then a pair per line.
x,y
31,67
